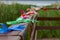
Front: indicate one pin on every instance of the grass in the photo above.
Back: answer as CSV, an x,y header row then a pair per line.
x,y
11,12
49,33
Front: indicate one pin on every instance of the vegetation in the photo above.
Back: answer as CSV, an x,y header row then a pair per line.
x,y
11,12
49,33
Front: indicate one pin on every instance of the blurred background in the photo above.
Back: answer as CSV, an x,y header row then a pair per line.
x,y
10,10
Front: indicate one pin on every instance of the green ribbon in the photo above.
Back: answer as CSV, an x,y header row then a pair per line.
x,y
21,20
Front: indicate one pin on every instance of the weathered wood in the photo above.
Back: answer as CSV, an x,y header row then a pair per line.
x,y
12,33
32,28
10,38
33,32
48,18
48,27
51,8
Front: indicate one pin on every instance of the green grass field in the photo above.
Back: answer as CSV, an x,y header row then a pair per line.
x,y
11,12
49,33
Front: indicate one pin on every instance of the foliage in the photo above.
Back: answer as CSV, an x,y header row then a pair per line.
x,y
11,12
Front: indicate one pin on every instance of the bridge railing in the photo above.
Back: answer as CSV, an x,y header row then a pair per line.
x,y
34,31
45,27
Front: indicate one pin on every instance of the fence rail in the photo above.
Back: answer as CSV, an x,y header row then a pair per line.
x,y
46,27
48,18
50,8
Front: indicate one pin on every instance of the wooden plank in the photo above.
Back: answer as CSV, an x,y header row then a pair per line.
x,y
48,27
10,38
12,33
51,8
33,32
15,33
48,18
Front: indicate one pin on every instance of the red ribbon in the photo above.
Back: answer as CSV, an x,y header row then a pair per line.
x,y
45,9
22,11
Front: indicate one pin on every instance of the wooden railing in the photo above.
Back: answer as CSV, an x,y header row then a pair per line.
x,y
46,27
50,8
48,18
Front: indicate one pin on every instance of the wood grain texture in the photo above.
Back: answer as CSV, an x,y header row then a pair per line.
x,y
48,18
10,38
